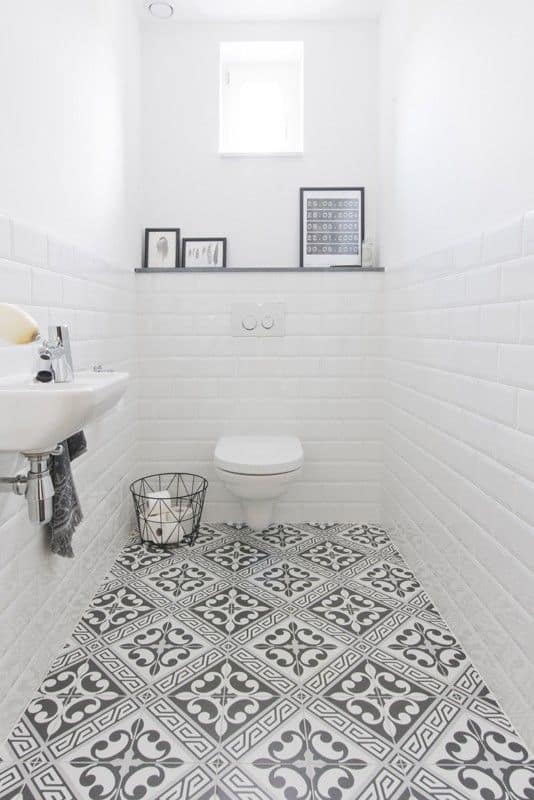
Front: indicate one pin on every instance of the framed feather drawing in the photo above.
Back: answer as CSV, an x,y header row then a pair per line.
x,y
162,248
204,253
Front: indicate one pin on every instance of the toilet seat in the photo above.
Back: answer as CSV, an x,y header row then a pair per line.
x,y
258,455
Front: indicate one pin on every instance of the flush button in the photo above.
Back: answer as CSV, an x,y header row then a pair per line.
x,y
249,323
258,319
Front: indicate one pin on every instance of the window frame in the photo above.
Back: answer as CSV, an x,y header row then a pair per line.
x,y
262,56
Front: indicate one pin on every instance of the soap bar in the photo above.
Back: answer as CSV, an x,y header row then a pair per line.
x,y
16,326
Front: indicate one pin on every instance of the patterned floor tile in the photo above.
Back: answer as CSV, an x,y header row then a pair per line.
x,y
366,536
383,701
429,647
135,758
77,692
132,558
159,648
483,761
304,757
332,556
180,579
112,609
287,580
305,662
284,536
235,556
350,610
231,610
391,580
222,698
296,649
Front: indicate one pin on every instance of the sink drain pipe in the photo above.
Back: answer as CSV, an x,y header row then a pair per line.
x,y
36,486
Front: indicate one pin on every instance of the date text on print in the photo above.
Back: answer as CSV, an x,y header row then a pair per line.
x,y
349,202
327,250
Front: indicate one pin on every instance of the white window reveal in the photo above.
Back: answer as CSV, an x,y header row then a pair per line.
x,y
261,98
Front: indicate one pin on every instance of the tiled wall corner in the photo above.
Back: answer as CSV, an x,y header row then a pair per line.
x,y
42,595
321,382
458,444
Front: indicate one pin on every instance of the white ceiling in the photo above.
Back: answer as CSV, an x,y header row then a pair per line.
x,y
266,10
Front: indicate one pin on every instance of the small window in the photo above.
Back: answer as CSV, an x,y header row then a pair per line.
x,y
261,98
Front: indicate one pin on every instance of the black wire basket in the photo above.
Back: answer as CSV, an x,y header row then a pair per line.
x,y
169,507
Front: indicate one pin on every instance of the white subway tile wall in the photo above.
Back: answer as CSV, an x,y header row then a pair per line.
x,y
41,595
321,382
455,481
459,445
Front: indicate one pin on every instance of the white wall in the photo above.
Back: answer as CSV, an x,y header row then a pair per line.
x,y
68,234
68,135
457,175
254,201
320,382
456,121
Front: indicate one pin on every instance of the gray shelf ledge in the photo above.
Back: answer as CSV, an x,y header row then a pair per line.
x,y
303,270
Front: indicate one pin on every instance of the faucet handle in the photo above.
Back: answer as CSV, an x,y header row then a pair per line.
x,y
54,354
62,335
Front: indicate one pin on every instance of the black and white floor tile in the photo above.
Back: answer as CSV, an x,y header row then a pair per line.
x,y
303,663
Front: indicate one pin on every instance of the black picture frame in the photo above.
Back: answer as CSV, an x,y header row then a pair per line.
x,y
335,260
188,240
148,232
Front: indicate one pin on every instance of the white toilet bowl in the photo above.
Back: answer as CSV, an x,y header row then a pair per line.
x,y
257,470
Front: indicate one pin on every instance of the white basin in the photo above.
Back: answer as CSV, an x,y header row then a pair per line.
x,y
34,416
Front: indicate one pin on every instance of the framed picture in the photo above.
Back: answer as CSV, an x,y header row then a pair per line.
x,y
331,227
162,248
207,252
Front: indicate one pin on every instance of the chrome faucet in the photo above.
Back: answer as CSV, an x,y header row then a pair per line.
x,y
55,357
62,336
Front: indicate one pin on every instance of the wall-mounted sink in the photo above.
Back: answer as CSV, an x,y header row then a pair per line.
x,y
34,416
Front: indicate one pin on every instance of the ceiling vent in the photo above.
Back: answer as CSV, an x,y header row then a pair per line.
x,y
161,9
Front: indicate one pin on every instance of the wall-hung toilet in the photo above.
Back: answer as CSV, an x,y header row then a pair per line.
x,y
257,470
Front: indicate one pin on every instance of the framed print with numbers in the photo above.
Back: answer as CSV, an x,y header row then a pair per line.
x,y
332,226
